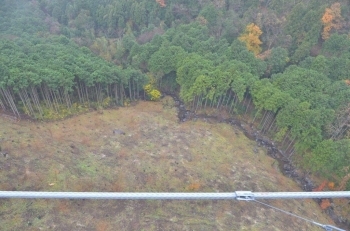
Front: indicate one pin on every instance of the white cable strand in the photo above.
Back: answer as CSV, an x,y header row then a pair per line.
x,y
118,195
326,227
238,195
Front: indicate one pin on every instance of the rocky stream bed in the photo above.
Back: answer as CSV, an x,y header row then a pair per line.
x,y
285,164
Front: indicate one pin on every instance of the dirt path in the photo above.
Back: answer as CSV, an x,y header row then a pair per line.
x,y
156,153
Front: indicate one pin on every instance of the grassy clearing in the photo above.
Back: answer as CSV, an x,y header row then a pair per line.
x,y
155,154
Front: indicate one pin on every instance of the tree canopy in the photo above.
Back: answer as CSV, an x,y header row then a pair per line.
x,y
282,65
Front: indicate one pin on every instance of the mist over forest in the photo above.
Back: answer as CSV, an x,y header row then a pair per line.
x,y
283,66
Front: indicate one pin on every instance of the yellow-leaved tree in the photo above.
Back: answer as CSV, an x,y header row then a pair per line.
x,y
331,19
151,90
251,38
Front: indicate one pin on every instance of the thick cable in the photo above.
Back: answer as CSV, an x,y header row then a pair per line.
x,y
239,195
301,195
117,195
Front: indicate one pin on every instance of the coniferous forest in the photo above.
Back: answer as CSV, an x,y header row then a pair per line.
x,y
284,66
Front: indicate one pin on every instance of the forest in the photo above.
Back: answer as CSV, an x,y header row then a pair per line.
x,y
284,66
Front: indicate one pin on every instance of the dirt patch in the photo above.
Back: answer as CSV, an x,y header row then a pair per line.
x,y
156,153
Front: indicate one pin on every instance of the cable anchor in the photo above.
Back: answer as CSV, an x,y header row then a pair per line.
x,y
244,195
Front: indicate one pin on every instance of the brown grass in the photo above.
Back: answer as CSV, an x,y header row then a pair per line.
x,y
6,146
136,136
82,185
85,140
183,157
35,180
57,134
23,144
38,145
63,206
102,225
320,187
343,182
225,169
123,152
150,179
325,203
117,186
131,123
195,186
6,186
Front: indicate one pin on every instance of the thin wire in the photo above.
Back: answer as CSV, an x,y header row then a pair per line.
x,y
291,214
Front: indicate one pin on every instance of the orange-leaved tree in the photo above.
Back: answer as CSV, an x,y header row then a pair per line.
x,y
331,19
251,38
161,3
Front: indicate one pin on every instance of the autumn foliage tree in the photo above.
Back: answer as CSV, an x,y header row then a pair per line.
x,y
251,38
161,3
331,19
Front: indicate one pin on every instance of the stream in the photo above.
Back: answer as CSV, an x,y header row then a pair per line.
x,y
285,164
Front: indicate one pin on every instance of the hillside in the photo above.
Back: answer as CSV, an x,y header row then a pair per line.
x,y
280,67
156,154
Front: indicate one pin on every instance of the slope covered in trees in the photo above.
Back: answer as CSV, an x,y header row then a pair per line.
x,y
50,77
284,65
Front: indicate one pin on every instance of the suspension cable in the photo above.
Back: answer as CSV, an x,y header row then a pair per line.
x,y
238,195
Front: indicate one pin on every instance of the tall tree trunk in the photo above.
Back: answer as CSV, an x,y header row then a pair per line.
x,y
138,90
206,101
199,101
262,119
46,101
2,105
291,154
290,145
233,103
256,114
67,98
273,122
87,94
267,120
244,98
5,101
82,89
223,100
100,92
228,99
341,133
79,94
193,103
116,94
219,102
134,88
48,96
36,100
212,101
236,102
11,103
28,110
122,94
250,100
130,95
54,100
